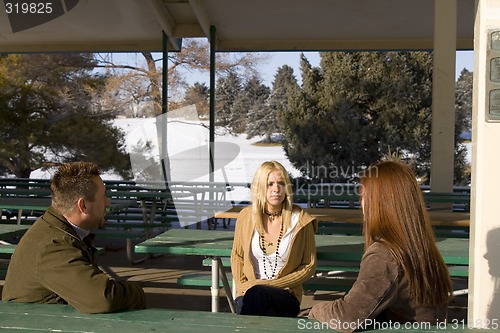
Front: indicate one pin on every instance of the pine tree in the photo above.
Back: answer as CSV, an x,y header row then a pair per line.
x,y
261,120
249,100
357,107
463,102
463,124
284,86
50,113
227,89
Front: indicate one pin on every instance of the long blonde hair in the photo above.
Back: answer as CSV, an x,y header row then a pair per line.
x,y
395,215
259,199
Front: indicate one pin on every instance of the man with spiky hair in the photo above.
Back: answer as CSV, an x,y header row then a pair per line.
x,y
55,261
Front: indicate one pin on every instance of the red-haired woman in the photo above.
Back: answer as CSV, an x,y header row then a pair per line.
x,y
402,276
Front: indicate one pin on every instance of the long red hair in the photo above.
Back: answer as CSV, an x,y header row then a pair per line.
x,y
395,215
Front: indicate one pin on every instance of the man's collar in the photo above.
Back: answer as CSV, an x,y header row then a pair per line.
x,y
79,231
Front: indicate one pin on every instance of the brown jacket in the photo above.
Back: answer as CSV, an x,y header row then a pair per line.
x,y
380,294
301,263
52,265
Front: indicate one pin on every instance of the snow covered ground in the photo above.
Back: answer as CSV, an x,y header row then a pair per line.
x,y
184,136
236,158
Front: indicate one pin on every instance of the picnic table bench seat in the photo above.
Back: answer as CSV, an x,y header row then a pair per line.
x,y
328,283
346,228
331,275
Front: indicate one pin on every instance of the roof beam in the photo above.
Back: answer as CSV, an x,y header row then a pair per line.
x,y
166,21
333,45
202,16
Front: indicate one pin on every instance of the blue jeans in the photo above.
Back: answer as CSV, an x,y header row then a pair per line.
x,y
263,300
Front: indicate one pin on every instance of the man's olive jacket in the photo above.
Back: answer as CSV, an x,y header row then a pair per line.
x,y
52,265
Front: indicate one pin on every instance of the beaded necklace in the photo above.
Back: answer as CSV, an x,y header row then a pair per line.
x,y
272,216
266,258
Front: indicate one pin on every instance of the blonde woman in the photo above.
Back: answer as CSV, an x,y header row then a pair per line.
x,y
274,250
402,277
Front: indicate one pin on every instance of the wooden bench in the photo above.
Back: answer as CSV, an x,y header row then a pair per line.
x,y
63,318
195,201
330,283
331,275
346,195
346,228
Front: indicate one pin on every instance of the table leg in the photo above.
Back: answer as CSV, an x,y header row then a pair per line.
x,y
215,284
218,272
151,220
146,220
144,210
19,216
227,288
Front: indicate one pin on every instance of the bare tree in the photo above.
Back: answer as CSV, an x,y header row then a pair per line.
x,y
136,89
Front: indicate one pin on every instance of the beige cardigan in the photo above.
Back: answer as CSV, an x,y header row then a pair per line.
x,y
299,267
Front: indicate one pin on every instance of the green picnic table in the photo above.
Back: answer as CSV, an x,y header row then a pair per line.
x,y
217,243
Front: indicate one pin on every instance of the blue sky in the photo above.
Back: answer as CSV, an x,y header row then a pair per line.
x,y
464,59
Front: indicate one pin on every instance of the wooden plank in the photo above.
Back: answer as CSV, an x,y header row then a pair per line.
x,y
329,284
437,217
346,266
219,243
10,248
63,318
42,203
7,248
10,230
201,279
25,317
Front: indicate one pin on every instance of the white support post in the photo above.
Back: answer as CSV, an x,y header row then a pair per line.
x,y
484,266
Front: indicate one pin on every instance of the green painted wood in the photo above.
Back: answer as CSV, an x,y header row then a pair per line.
x,y
226,261
123,234
11,230
7,248
141,225
329,284
182,241
345,266
62,318
10,248
23,317
329,247
201,280
42,203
